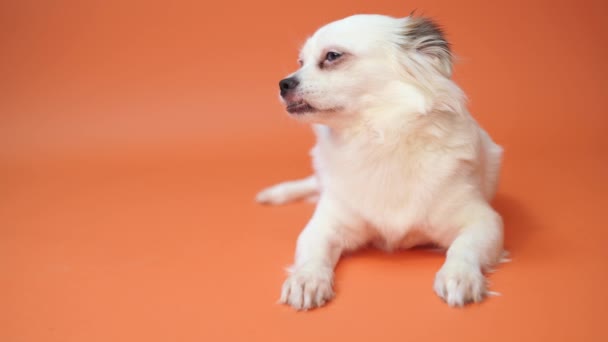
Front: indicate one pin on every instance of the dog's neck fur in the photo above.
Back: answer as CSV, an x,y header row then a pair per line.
x,y
412,114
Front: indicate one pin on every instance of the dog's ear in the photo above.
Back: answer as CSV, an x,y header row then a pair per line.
x,y
426,38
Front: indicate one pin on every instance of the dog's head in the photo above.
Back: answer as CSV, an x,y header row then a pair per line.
x,y
365,62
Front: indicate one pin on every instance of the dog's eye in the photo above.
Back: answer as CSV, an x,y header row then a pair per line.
x,y
332,56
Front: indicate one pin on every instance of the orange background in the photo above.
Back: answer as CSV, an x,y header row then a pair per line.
x,y
135,134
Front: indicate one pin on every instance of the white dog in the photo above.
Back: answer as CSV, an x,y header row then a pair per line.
x,y
399,162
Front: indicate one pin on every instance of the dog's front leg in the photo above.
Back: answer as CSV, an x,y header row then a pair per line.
x,y
477,247
319,247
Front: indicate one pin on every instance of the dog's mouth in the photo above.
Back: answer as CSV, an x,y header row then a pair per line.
x,y
299,107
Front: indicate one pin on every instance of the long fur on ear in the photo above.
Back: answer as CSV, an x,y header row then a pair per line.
x,y
427,38
427,60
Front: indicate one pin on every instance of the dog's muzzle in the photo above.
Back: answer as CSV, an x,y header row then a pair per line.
x,y
294,103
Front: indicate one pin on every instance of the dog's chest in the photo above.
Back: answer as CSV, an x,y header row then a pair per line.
x,y
392,189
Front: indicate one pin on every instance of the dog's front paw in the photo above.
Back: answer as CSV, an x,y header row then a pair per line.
x,y
459,283
308,287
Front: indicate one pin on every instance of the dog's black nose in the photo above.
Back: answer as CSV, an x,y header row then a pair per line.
x,y
288,84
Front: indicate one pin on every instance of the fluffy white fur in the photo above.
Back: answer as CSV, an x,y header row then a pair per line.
x,y
399,161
